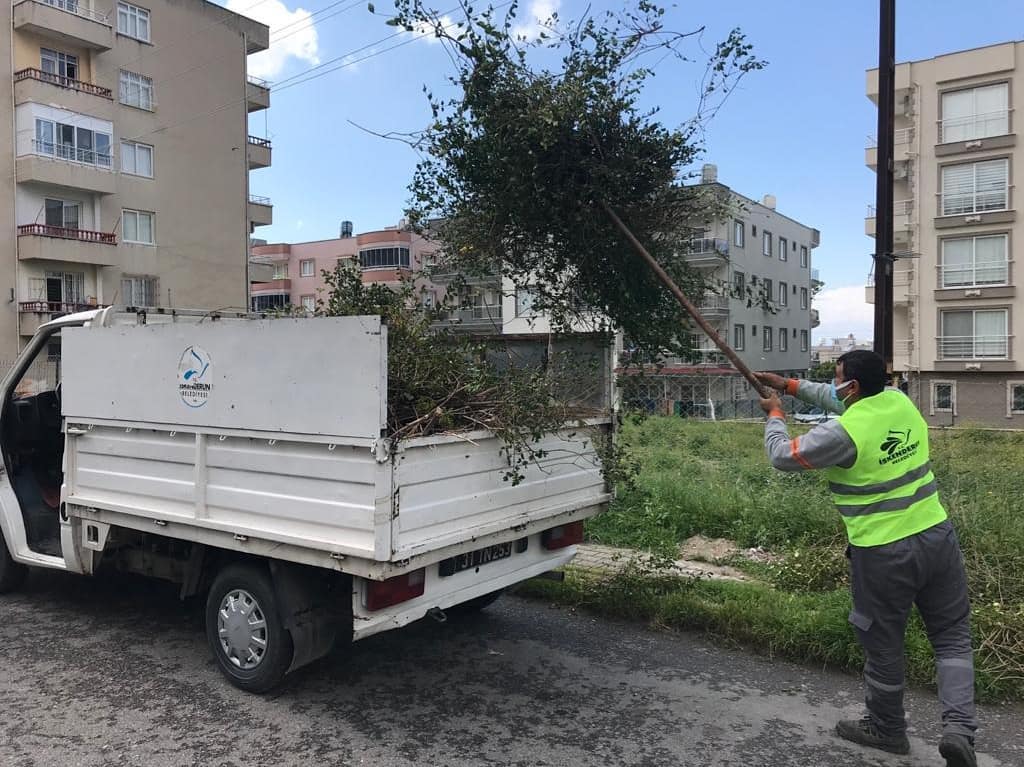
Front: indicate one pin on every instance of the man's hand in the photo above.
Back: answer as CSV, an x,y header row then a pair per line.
x,y
771,404
773,380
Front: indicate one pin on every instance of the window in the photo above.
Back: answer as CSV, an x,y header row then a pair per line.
x,y
943,397
803,340
136,90
739,234
739,282
525,299
63,66
974,334
768,290
137,159
975,113
739,337
974,261
69,142
271,302
62,214
753,230
59,288
766,338
783,294
306,267
766,243
783,249
753,330
137,226
975,187
803,256
428,299
1014,397
384,258
783,340
133,21
139,291
309,303
281,270
803,298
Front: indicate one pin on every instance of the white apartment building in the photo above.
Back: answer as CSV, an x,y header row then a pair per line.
x,y
958,324
128,157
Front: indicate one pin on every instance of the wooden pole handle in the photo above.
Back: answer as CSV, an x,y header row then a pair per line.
x,y
687,304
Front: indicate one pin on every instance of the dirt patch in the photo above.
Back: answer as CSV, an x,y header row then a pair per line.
x,y
701,549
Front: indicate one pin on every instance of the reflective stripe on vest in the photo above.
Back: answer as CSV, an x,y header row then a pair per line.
x,y
889,493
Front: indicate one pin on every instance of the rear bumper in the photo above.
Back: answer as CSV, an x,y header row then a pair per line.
x,y
447,591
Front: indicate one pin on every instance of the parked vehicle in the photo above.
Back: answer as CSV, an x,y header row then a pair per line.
x,y
814,415
247,459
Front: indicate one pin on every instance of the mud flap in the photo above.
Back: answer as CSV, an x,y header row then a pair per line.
x,y
307,613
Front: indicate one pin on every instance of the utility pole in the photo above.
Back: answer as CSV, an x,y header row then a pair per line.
x,y
883,188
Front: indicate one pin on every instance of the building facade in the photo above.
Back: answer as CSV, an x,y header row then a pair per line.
x,y
127,170
957,319
832,349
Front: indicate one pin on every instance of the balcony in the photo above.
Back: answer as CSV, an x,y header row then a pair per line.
x,y
706,253
902,148
57,243
714,306
259,152
261,212
32,314
903,288
442,274
41,87
257,94
815,318
275,285
974,128
482,318
902,221
68,21
59,165
974,347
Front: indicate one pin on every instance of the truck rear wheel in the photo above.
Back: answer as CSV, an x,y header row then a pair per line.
x,y
475,605
243,626
12,574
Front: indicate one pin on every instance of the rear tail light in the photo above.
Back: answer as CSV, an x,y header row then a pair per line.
x,y
562,536
401,588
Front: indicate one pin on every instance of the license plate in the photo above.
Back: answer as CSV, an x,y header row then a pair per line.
x,y
476,558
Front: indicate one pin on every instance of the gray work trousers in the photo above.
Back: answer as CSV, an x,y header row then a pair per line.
x,y
926,569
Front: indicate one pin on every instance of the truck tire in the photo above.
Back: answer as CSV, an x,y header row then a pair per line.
x,y
475,605
243,626
12,574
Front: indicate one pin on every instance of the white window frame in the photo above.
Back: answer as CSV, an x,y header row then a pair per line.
x,y
60,61
783,293
945,197
803,298
767,338
133,148
739,233
783,340
132,279
803,256
65,206
1010,385
804,340
977,123
974,333
55,146
308,302
128,80
783,249
128,13
138,214
280,271
766,243
739,336
932,409
307,262
525,298
974,262
768,288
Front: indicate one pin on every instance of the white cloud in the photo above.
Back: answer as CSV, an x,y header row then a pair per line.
x,y
843,311
298,41
537,19
299,224
427,31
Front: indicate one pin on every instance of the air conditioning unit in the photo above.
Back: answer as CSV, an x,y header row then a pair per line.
x,y
972,366
972,293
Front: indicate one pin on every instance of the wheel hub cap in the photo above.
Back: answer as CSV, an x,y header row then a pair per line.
x,y
242,629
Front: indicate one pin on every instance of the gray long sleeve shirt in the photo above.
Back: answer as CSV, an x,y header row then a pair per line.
x,y
827,444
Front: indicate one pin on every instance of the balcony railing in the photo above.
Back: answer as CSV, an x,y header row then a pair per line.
x,y
75,7
707,246
970,276
257,141
62,82
714,303
973,127
899,208
65,233
259,82
899,136
965,203
56,307
973,347
72,154
257,200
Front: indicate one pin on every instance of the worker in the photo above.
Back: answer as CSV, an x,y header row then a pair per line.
x,y
902,549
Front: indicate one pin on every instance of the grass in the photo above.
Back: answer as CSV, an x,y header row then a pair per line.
x,y
713,479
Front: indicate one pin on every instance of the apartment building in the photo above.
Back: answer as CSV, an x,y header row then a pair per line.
x,y
291,274
127,170
958,323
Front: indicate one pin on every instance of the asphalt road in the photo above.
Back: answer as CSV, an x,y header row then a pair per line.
x,y
116,672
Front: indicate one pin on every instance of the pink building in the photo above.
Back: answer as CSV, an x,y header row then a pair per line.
x,y
283,274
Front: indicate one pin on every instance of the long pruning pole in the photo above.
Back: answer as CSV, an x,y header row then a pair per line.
x,y
686,303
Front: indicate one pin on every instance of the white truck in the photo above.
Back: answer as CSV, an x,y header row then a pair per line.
x,y
247,458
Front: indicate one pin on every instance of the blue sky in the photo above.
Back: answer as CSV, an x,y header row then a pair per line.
x,y
796,129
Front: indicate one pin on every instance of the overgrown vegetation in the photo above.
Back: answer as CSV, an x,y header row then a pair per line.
x,y
713,479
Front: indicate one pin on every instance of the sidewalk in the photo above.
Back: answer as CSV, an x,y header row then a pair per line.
x,y
610,560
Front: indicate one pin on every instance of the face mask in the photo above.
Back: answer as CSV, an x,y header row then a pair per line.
x,y
836,389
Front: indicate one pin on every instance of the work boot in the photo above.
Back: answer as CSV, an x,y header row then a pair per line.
x,y
958,750
864,732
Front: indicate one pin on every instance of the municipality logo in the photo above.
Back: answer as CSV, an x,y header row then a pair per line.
x,y
194,376
897,447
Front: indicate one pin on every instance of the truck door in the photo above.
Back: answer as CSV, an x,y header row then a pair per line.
x,y
32,444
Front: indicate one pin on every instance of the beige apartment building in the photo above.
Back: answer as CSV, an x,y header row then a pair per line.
x,y
958,323
128,156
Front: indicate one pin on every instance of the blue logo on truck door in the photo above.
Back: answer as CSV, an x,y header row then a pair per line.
x,y
194,376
